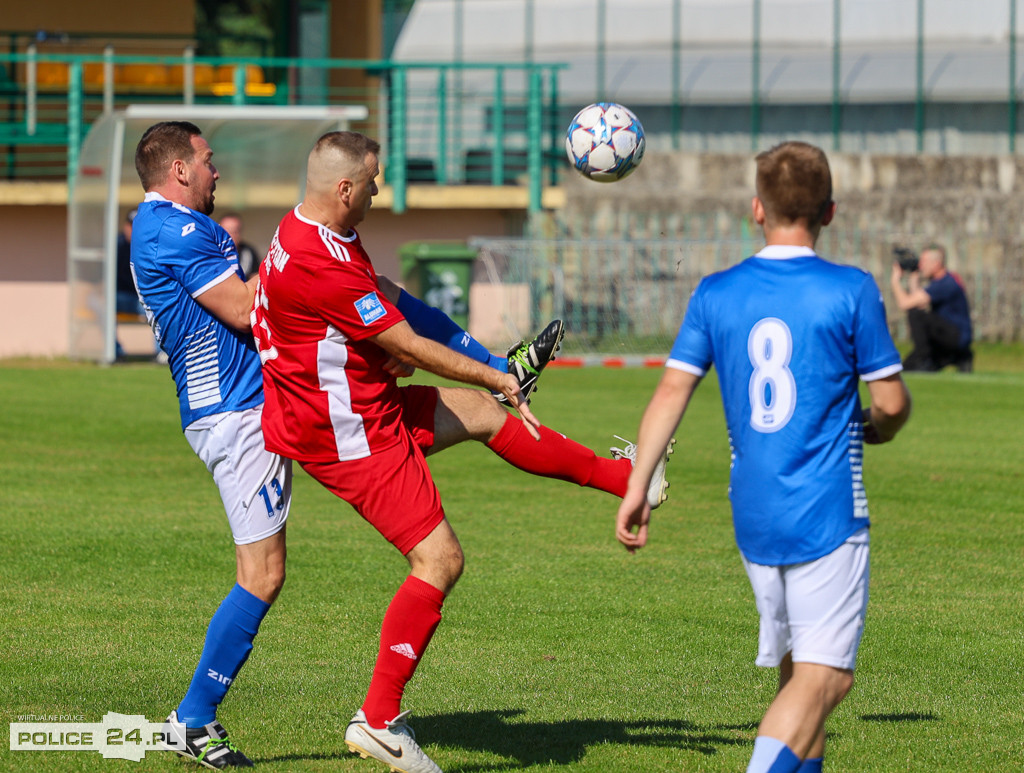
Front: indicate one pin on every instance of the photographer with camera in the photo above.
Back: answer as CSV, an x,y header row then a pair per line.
x,y
939,318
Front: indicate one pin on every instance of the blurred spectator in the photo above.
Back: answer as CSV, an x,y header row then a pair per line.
x,y
938,314
248,259
127,298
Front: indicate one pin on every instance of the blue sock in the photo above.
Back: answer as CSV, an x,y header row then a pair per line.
x,y
437,326
228,644
811,765
772,756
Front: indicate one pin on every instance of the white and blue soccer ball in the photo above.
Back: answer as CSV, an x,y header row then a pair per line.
x,y
605,142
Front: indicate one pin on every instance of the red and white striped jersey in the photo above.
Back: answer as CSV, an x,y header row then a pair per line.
x,y
327,394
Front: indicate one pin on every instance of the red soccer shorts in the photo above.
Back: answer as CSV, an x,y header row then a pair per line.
x,y
393,489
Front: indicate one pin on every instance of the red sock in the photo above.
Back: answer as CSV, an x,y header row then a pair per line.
x,y
408,626
555,456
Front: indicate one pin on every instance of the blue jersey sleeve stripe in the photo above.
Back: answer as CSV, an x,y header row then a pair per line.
x,y
213,283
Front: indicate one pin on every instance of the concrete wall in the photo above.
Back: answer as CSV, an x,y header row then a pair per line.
x,y
972,205
33,281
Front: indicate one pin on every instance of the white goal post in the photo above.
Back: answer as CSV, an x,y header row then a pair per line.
x,y
260,152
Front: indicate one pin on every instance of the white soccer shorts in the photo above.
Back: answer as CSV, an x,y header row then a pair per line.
x,y
814,609
255,485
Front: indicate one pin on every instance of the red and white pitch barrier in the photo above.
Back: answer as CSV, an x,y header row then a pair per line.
x,y
608,361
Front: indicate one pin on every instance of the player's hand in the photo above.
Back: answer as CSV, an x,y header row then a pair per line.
x,y
399,368
634,513
871,436
510,388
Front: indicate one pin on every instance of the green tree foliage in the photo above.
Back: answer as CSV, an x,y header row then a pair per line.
x,y
239,27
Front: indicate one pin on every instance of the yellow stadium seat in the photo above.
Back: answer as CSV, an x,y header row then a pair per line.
x,y
92,73
255,85
51,73
202,75
251,89
142,75
253,73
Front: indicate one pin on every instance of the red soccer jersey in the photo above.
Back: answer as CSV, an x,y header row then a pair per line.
x,y
328,397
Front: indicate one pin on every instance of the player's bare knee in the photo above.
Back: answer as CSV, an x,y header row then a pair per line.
x,y
261,568
843,684
274,580
836,685
449,562
454,564
266,584
489,416
477,414
441,569
438,558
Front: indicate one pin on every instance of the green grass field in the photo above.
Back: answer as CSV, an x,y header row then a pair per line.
x,y
559,651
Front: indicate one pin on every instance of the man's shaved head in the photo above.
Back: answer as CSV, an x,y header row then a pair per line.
x,y
338,155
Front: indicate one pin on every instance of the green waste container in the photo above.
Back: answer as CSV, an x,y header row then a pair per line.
x,y
439,274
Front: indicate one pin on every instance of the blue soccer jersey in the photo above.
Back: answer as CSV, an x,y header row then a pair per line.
x,y
789,334
177,255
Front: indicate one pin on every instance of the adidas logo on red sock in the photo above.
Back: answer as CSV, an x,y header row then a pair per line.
x,y
404,649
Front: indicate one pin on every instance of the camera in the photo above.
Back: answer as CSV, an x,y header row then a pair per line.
x,y
906,258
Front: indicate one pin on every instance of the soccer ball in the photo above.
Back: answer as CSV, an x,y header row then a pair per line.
x,y
605,142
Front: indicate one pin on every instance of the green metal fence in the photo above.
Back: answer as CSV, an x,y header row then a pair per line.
x,y
621,282
444,123
627,296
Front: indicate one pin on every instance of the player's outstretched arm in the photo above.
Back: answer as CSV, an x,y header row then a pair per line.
x,y
401,341
889,409
658,425
392,292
